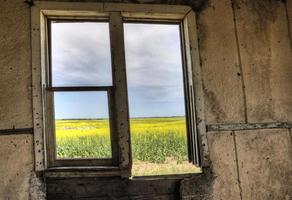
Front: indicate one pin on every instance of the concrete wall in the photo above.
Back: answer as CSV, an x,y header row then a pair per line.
x,y
246,60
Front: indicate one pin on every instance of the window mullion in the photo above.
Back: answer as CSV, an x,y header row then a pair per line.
x,y
120,96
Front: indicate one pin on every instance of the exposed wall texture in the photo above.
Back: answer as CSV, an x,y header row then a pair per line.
x,y
246,61
264,46
15,70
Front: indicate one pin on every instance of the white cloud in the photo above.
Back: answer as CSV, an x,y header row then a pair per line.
x,y
81,56
154,61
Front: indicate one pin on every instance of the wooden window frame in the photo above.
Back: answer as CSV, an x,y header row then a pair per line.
x,y
116,14
49,107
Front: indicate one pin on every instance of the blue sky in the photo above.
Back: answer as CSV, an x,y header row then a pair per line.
x,y
81,57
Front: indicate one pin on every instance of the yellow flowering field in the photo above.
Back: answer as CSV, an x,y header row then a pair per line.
x,y
159,145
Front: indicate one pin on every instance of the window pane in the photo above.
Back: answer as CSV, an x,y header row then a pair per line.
x,y
156,99
80,54
82,125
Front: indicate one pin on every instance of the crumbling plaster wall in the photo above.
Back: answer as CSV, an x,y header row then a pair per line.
x,y
17,177
246,61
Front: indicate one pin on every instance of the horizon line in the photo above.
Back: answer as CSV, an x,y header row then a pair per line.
x,y
129,118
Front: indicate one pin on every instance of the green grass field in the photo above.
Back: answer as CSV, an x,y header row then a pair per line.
x,y
159,145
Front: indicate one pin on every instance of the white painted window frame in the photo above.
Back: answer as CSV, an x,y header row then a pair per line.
x,y
116,12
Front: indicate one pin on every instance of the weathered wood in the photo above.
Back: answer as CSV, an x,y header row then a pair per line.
x,y
110,197
81,162
192,137
37,98
49,132
82,172
121,109
249,126
112,188
92,9
195,89
151,10
113,124
71,9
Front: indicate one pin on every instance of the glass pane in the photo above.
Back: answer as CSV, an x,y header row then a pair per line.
x,y
80,54
156,99
82,125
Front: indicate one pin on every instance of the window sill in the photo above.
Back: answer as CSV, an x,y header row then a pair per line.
x,y
100,171
165,177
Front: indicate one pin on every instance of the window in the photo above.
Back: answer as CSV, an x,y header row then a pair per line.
x,y
157,106
99,84
80,88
